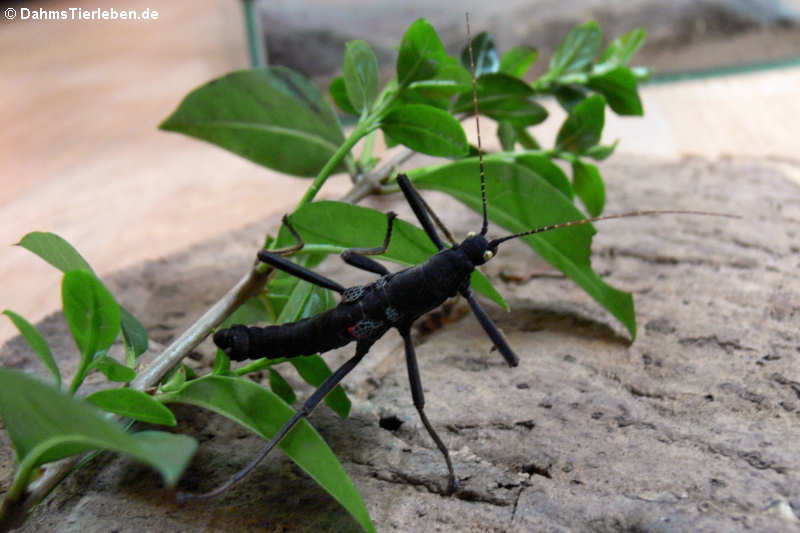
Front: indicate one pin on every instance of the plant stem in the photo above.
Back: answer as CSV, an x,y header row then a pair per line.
x,y
360,130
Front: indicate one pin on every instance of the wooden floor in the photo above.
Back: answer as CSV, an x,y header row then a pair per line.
x,y
81,154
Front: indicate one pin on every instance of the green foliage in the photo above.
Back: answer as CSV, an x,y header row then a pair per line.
x,y
260,410
277,118
273,117
45,425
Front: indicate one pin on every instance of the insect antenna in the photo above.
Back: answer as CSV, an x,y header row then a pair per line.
x,y
493,243
485,226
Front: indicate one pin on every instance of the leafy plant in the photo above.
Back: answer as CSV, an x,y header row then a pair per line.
x,y
279,119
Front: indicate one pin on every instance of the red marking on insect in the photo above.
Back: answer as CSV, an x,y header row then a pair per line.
x,y
351,331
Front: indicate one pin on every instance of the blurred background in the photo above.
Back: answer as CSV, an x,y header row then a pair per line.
x,y
81,155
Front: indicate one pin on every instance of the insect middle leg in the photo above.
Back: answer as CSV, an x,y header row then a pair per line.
x,y
357,257
274,259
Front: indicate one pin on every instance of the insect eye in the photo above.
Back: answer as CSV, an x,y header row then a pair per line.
x,y
488,254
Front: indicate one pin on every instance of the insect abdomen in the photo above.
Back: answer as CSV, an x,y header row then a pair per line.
x,y
320,333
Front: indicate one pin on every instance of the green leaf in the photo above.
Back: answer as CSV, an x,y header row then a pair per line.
x,y
518,60
349,226
569,96
589,186
600,152
544,167
273,116
305,301
93,317
421,52
37,343
250,312
583,127
503,98
134,404
619,88
222,364
526,139
576,51
264,412
507,135
113,370
426,129
280,387
133,335
45,425
360,75
450,79
620,51
175,380
484,55
338,92
519,200
55,251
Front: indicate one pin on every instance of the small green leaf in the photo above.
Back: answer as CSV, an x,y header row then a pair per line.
x,y
484,55
588,185
222,364
600,152
421,53
620,51
113,370
265,413
175,380
450,79
274,117
569,96
503,98
507,135
46,425
619,88
250,312
37,343
308,300
360,75
576,51
546,169
280,387
133,404
93,317
583,127
525,139
426,129
338,92
518,60
133,335
55,251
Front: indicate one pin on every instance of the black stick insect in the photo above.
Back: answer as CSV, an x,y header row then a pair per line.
x,y
395,300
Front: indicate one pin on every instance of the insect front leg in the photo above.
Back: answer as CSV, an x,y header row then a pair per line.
x,y
488,326
357,257
330,382
418,206
415,383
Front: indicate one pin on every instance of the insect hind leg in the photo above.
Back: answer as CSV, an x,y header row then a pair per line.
x,y
330,382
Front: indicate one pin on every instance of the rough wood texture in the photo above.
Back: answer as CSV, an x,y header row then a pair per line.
x,y
692,427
